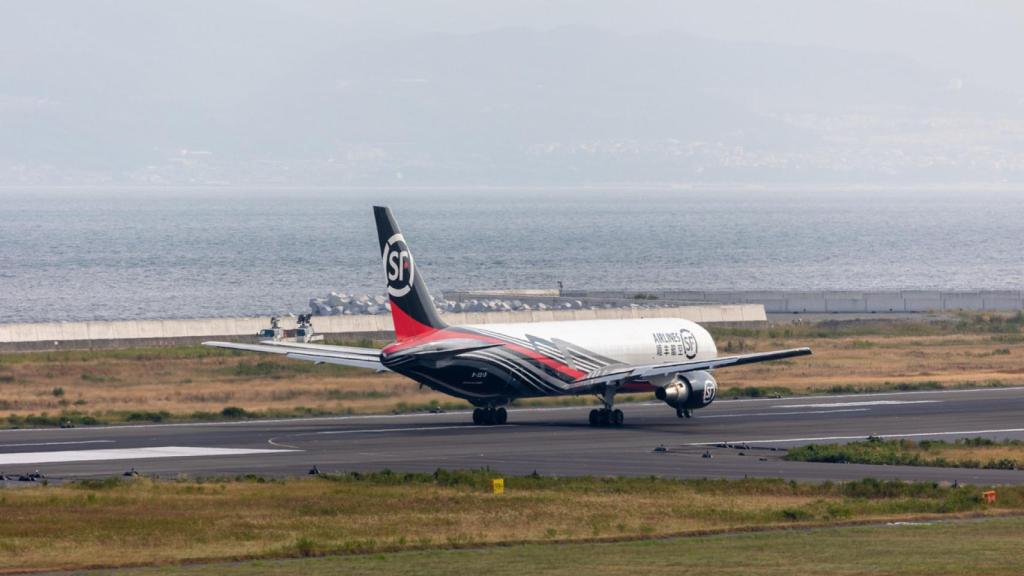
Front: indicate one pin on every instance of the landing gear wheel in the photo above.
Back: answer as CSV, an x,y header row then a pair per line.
x,y
683,413
488,416
606,417
617,417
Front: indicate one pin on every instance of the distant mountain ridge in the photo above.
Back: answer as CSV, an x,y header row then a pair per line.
x,y
509,106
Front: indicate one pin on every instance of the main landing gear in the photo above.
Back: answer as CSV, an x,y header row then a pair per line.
x,y
606,417
609,415
488,416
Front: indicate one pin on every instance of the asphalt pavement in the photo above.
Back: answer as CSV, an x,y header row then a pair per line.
x,y
730,439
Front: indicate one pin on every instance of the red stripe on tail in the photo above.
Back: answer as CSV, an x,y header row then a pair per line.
x,y
405,326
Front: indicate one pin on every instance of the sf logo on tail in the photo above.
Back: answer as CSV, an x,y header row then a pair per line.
x,y
399,266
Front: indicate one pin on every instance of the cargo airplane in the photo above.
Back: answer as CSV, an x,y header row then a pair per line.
x,y
492,365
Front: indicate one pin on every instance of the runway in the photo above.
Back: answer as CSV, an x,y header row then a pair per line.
x,y
550,441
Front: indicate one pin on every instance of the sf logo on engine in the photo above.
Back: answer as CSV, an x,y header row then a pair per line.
x,y
709,391
399,266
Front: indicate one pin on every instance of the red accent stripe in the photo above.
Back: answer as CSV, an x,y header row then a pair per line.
x,y
432,335
636,387
405,326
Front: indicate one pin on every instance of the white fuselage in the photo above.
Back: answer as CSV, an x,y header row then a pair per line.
x,y
632,341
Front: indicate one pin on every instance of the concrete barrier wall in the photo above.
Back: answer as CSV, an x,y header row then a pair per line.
x,y
160,331
776,302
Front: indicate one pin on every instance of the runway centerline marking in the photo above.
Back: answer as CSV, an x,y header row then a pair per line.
x,y
56,443
860,437
868,403
125,454
895,393
747,415
414,429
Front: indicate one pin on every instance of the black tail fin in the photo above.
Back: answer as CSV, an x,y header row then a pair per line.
x,y
412,310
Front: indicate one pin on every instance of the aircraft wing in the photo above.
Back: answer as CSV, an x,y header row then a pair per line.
x,y
319,353
625,374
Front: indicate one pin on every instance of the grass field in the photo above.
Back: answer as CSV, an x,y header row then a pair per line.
x,y
119,523
963,453
989,547
193,382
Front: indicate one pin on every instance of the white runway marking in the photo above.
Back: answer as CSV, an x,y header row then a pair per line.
x,y
416,429
869,403
862,437
56,443
125,454
747,415
874,394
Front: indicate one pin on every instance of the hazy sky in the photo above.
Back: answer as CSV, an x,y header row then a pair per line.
x,y
981,37
430,91
971,37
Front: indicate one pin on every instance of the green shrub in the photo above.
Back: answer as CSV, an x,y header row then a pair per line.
x,y
795,514
758,391
98,484
900,452
235,412
147,416
306,547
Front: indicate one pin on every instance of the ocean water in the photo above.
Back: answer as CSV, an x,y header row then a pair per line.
x,y
112,254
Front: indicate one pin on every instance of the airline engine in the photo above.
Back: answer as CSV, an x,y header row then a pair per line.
x,y
688,391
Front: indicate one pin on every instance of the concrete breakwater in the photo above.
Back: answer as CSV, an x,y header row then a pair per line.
x,y
59,335
342,304
775,302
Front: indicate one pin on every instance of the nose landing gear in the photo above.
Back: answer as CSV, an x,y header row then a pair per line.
x,y
488,416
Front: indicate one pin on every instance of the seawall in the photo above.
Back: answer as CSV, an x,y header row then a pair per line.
x,y
125,333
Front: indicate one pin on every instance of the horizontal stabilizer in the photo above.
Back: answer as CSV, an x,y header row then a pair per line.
x,y
440,350
319,353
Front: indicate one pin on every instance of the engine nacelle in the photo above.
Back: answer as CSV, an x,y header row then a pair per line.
x,y
691,390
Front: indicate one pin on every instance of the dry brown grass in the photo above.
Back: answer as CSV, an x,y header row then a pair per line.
x,y
181,383
141,521
185,385
946,360
962,454
990,546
